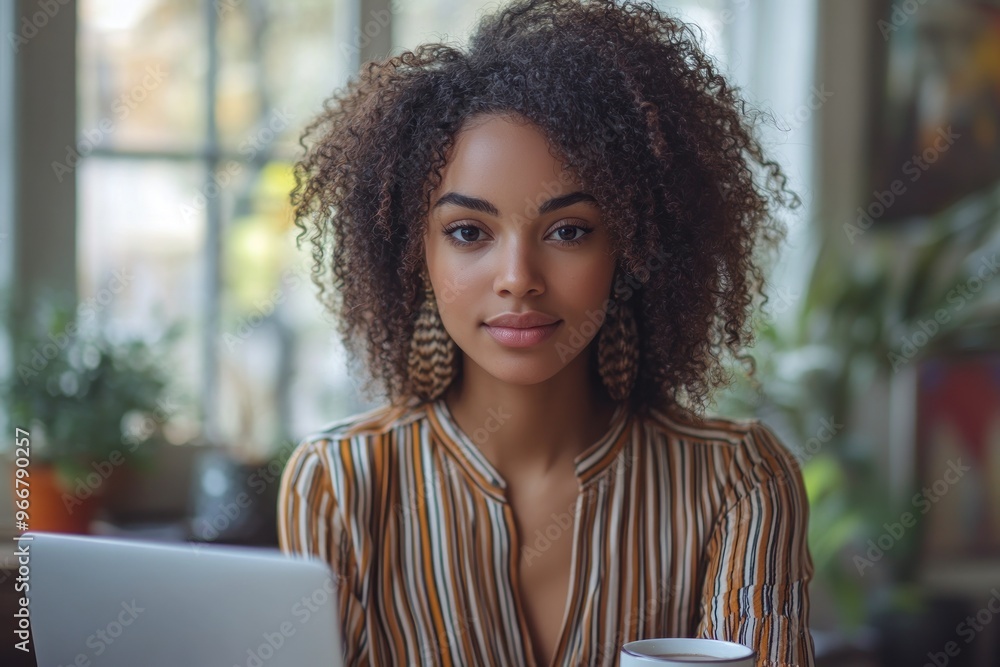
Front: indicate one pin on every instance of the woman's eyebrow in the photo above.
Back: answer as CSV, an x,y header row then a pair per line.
x,y
483,206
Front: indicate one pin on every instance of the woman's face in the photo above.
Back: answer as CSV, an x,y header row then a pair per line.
x,y
510,232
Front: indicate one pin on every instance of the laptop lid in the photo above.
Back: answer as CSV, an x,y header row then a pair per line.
x,y
122,603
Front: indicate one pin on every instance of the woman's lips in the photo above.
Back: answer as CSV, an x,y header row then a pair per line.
x,y
521,337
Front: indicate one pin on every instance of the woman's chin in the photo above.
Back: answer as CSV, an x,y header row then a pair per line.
x,y
524,372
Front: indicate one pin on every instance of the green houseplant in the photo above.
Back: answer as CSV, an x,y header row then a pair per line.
x,y
89,399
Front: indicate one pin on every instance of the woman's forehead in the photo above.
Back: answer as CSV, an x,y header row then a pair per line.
x,y
504,161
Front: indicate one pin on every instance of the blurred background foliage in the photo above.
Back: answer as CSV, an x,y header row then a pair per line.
x,y
86,389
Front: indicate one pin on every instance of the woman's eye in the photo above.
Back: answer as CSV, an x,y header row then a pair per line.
x,y
568,233
466,233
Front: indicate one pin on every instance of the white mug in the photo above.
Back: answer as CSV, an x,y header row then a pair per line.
x,y
685,653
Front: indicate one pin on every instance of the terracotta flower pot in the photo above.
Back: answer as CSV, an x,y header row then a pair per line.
x,y
54,507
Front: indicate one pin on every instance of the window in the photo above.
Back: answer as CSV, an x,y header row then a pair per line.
x,y
190,112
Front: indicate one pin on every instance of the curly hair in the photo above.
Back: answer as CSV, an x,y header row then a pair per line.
x,y
634,109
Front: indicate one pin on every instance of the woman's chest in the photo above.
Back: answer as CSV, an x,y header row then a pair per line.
x,y
464,577
546,536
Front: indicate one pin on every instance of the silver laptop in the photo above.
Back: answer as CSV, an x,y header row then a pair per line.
x,y
126,603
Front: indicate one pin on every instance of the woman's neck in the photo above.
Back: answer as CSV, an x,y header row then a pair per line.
x,y
531,431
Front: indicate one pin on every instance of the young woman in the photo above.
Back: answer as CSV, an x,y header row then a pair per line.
x,y
541,248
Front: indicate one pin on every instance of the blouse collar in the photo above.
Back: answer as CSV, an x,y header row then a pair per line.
x,y
588,464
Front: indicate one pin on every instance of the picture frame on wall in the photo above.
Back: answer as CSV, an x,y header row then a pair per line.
x,y
935,135
957,443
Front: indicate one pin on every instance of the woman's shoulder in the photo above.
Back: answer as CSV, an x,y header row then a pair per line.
x,y
376,423
685,427
347,457
744,443
350,446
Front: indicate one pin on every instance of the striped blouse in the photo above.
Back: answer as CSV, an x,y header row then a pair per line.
x,y
680,531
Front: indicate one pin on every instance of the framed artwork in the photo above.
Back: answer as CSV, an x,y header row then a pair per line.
x,y
936,119
958,456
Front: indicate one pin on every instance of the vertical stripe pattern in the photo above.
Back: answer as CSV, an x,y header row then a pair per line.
x,y
681,531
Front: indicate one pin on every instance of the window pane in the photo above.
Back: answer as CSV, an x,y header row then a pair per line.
x,y
320,385
141,74
240,87
419,21
278,62
281,371
306,57
276,348
253,342
139,254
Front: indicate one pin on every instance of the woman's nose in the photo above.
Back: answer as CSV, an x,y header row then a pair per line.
x,y
518,273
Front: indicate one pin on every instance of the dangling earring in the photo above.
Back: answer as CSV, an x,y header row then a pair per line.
x,y
432,351
618,350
